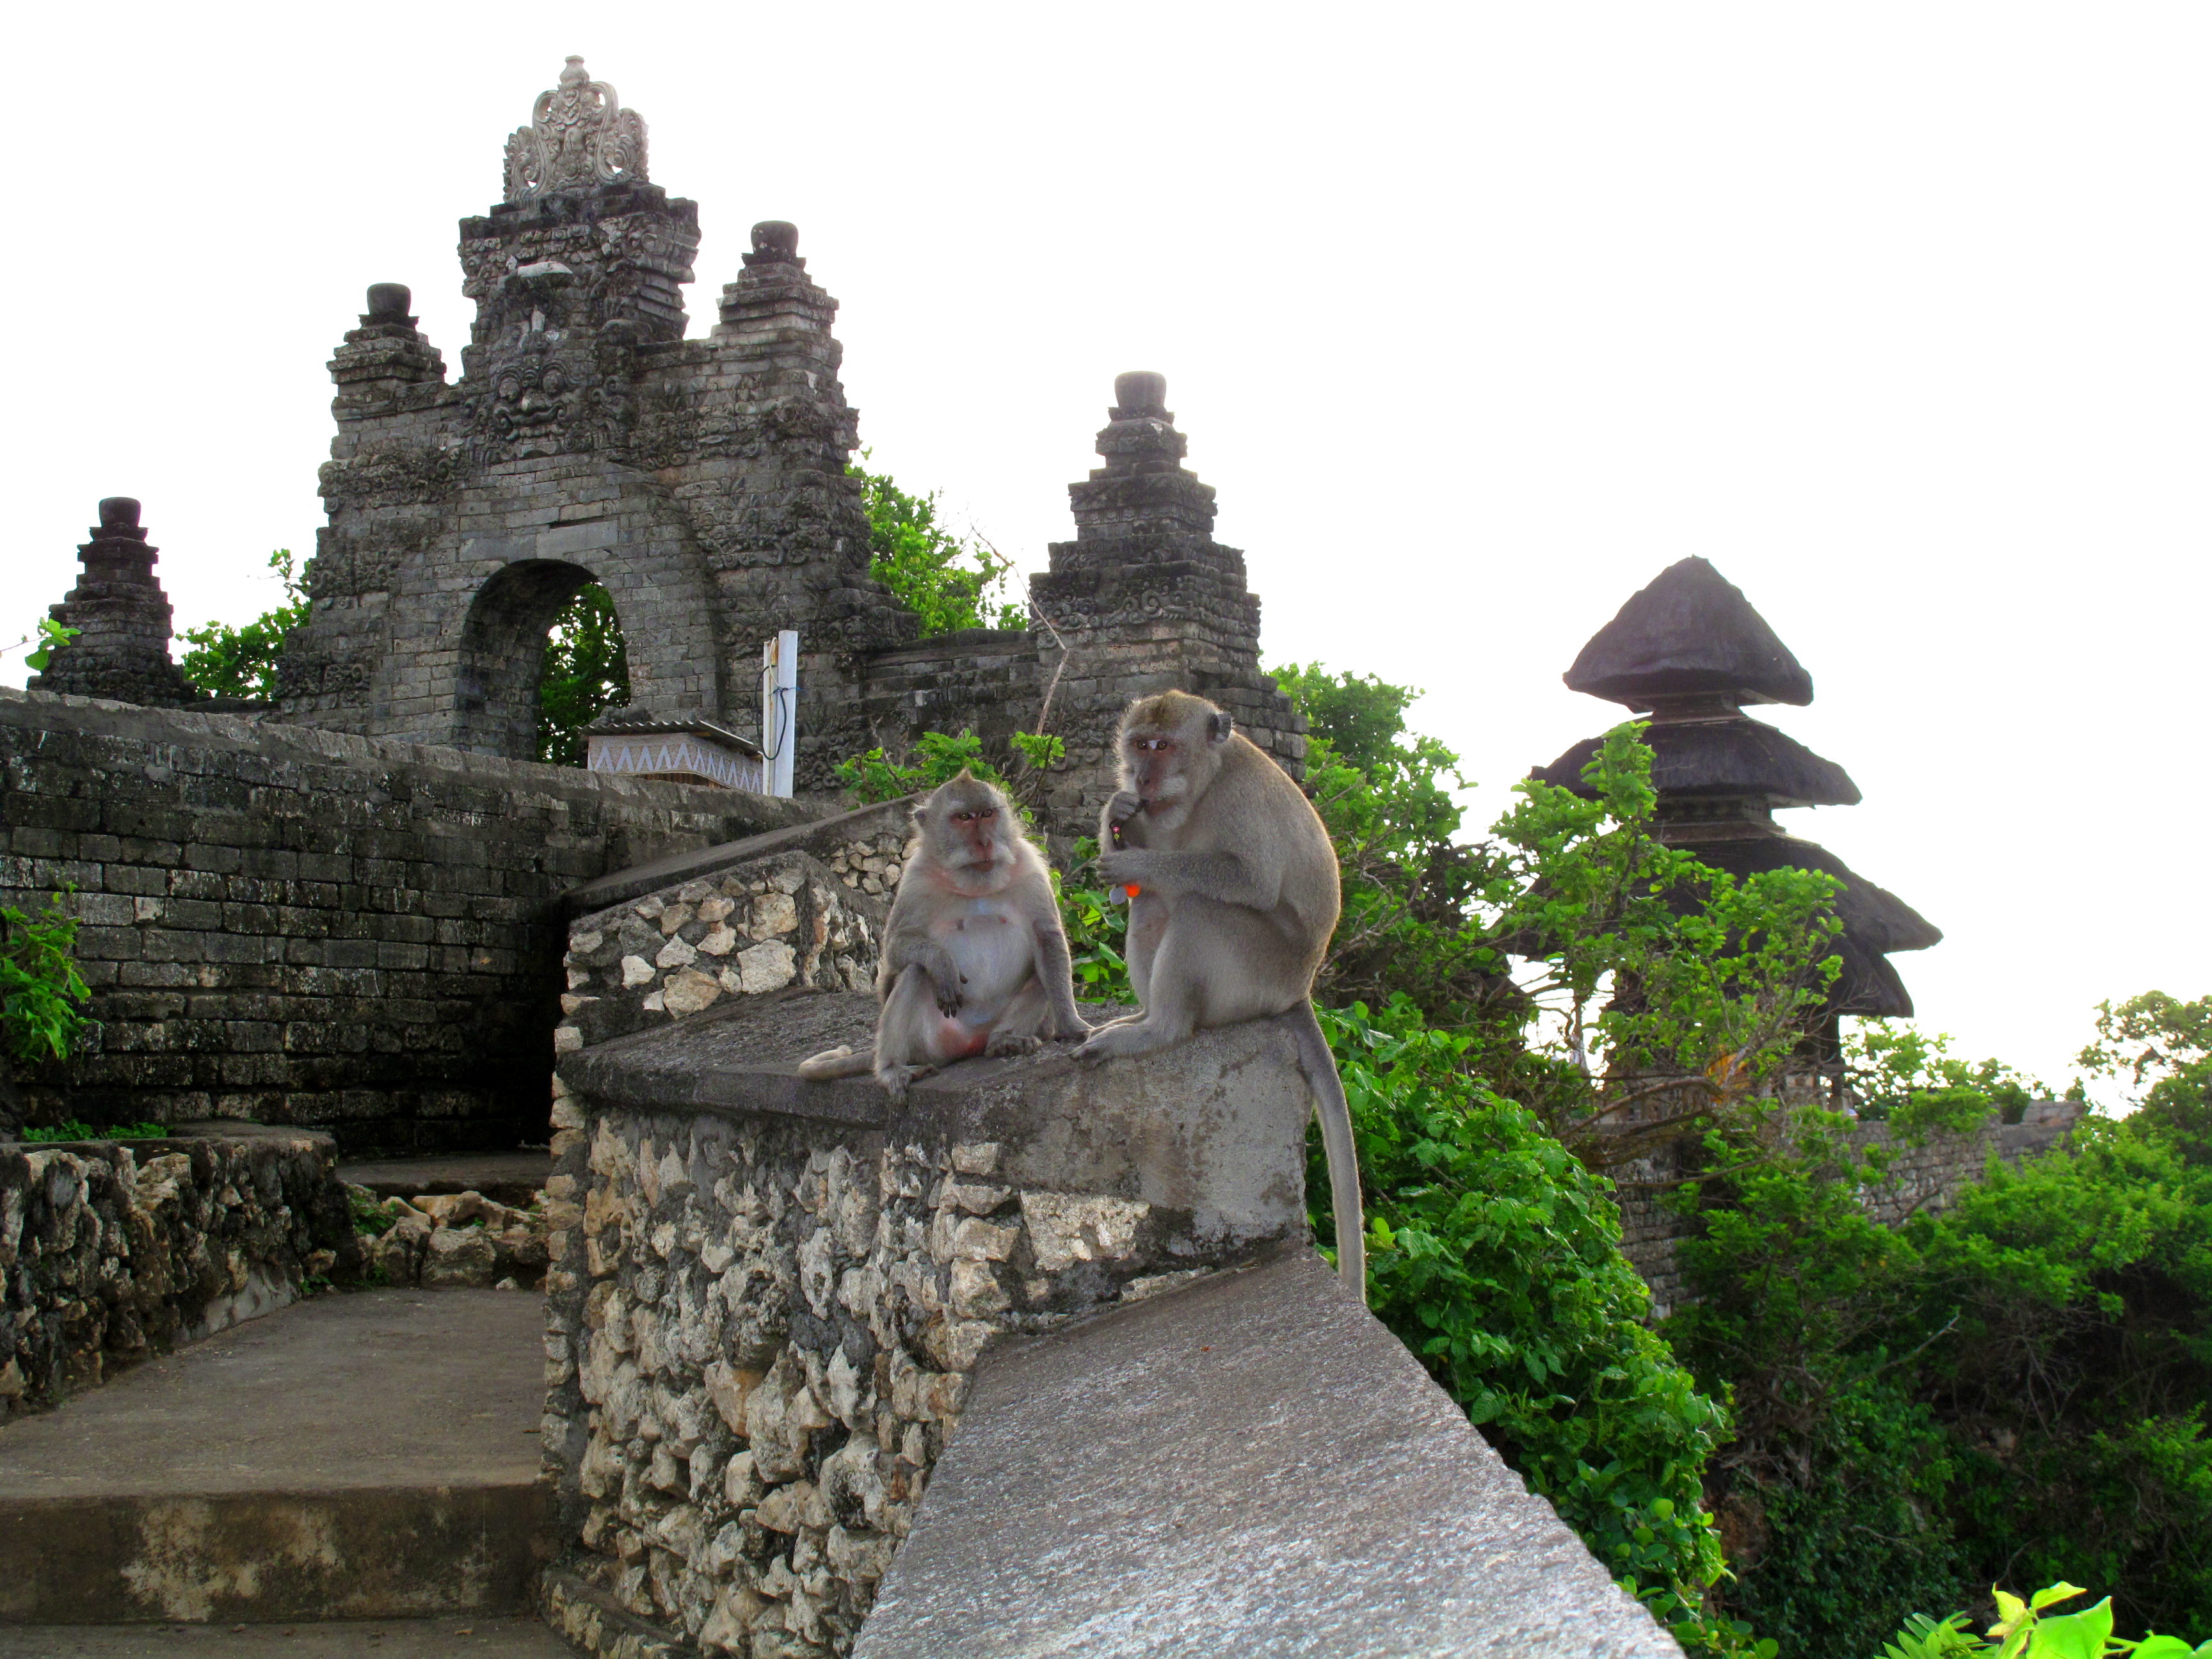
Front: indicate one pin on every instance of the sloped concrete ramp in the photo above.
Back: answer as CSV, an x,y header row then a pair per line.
x,y
356,1456
1253,1465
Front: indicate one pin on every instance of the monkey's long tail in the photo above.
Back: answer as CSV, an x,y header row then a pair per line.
x,y
843,1061
1335,1113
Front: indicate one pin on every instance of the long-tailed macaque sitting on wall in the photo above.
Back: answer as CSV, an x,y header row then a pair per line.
x,y
1233,895
974,961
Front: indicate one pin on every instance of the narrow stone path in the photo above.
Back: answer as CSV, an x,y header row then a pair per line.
x,y
362,1456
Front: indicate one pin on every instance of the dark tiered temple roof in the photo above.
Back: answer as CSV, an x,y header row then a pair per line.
x,y
1690,631
1725,757
1690,649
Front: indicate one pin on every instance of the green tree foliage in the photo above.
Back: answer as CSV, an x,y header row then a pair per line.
x,y
241,662
2014,1387
585,672
42,995
950,582
2163,1046
1408,927
1494,1255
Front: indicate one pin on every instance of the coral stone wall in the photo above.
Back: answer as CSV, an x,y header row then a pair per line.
x,y
295,926
110,1252
810,916
762,1333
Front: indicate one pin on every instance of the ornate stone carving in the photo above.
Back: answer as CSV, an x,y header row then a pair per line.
x,y
579,135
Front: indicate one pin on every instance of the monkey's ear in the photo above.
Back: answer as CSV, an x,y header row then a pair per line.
x,y
1218,725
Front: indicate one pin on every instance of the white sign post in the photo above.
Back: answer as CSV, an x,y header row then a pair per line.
x,y
780,709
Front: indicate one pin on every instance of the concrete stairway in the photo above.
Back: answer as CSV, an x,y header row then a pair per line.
x,y
365,1456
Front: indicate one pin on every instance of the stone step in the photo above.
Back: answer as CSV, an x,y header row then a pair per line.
x,y
463,1637
363,1455
513,1178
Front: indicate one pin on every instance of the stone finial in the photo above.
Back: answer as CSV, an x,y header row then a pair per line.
x,y
776,242
578,136
118,519
385,355
1142,438
388,302
1139,394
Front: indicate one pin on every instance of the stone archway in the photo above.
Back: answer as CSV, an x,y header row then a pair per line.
x,y
502,651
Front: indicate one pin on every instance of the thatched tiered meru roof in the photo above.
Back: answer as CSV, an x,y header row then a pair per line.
x,y
1690,649
1690,631
1725,757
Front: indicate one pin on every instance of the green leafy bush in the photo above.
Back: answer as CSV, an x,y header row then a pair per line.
x,y
241,662
42,640
949,582
879,776
2022,1631
41,993
1494,1256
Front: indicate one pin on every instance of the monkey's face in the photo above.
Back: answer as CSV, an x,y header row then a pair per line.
x,y
968,825
976,830
1171,747
1157,766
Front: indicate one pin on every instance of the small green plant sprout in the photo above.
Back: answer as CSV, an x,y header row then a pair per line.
x,y
2022,1631
76,1128
1040,751
373,1217
42,640
41,993
878,775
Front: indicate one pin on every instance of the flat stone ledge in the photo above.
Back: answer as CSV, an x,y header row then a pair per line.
x,y
1213,1128
1253,1465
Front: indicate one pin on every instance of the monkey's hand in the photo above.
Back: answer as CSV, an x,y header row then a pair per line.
x,y
1126,804
948,994
934,960
1129,867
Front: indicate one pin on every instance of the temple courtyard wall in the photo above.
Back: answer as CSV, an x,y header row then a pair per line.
x,y
299,926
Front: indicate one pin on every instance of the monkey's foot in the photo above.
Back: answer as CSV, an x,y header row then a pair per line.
x,y
896,1080
1005,1044
1126,1037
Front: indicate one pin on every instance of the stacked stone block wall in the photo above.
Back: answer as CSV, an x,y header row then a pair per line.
x,y
296,926
111,1253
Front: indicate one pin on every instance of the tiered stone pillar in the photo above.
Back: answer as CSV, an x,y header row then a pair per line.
x,y
1144,599
122,616
786,528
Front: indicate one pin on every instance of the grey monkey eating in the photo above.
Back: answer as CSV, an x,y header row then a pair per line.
x,y
975,960
1233,895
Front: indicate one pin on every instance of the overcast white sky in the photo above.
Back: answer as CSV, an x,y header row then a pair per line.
x,y
1477,316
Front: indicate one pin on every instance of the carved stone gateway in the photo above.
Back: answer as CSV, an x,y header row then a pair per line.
x,y
705,483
